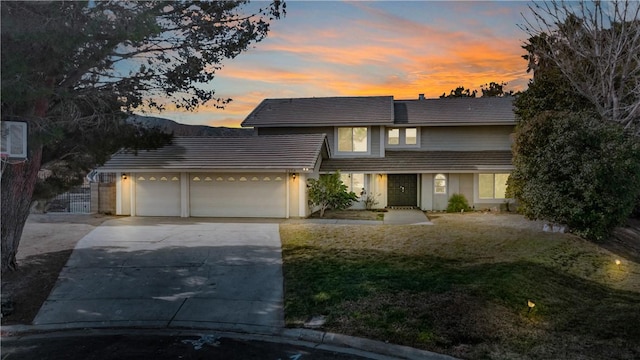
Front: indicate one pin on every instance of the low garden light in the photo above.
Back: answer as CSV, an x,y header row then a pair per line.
x,y
531,305
617,262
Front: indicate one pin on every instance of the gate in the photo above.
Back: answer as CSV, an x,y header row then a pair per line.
x,y
76,200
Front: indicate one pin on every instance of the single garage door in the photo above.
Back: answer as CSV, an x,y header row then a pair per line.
x,y
158,194
238,195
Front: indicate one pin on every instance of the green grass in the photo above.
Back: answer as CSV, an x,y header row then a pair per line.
x,y
461,287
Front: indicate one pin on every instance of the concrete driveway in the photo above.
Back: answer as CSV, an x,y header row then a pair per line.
x,y
158,272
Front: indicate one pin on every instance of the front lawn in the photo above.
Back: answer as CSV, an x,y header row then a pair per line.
x,y
461,287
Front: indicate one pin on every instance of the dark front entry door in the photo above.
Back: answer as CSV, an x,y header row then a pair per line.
x,y
402,190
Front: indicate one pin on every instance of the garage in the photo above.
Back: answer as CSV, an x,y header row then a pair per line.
x,y
244,176
157,194
238,195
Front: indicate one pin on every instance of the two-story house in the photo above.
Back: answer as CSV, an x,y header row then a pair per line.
x,y
405,153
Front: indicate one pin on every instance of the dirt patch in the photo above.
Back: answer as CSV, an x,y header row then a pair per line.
x,y
45,247
350,215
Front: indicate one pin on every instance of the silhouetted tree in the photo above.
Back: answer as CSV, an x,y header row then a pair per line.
x,y
595,44
494,89
459,92
68,67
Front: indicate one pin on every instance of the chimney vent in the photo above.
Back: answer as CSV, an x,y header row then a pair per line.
x,y
420,96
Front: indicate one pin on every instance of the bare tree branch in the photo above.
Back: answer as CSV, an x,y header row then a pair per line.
x,y
595,45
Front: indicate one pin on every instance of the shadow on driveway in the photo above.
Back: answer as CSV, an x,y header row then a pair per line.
x,y
173,274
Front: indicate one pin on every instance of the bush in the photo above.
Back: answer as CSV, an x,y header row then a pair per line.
x,y
574,169
328,192
458,203
370,202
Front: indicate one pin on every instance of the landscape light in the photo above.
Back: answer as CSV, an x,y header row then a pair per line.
x,y
617,262
531,305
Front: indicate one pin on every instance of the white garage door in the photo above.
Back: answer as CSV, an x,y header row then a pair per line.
x,y
237,195
158,194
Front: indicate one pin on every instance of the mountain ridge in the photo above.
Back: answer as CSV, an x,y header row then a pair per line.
x,y
171,126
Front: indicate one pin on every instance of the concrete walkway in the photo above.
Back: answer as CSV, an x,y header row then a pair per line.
x,y
171,272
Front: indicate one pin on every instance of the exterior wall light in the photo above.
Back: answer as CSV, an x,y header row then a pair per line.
x,y
124,176
293,176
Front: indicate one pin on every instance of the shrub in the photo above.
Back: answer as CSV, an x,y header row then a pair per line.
x,y
574,169
458,203
328,192
370,202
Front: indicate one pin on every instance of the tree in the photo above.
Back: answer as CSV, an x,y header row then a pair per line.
x,y
573,162
494,89
329,192
78,65
572,168
549,90
460,92
595,45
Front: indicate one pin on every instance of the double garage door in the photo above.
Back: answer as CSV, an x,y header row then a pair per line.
x,y
215,195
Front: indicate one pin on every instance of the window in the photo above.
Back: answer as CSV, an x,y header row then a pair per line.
x,y
394,137
354,182
411,136
403,136
440,184
492,186
352,139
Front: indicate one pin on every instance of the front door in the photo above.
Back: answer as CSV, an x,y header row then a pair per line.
x,y
402,190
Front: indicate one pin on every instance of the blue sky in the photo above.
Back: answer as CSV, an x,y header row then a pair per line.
x,y
330,48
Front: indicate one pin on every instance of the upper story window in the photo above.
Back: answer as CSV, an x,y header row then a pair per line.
x,y
353,139
492,186
394,137
411,136
402,137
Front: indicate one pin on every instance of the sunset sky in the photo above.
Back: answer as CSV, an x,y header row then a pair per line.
x,y
328,48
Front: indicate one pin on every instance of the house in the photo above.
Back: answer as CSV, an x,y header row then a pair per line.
x,y
404,153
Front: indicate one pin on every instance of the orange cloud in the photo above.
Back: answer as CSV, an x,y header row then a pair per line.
x,y
381,54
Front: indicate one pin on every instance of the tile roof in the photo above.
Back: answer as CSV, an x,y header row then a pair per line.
x,y
322,111
455,112
419,161
274,152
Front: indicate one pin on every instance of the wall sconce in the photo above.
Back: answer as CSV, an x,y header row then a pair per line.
x,y
124,176
293,176
380,176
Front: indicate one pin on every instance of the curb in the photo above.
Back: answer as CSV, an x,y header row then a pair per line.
x,y
346,344
373,346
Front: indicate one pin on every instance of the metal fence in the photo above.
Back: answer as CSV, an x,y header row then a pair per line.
x,y
76,200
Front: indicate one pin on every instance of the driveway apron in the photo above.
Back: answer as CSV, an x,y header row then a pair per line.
x,y
172,273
